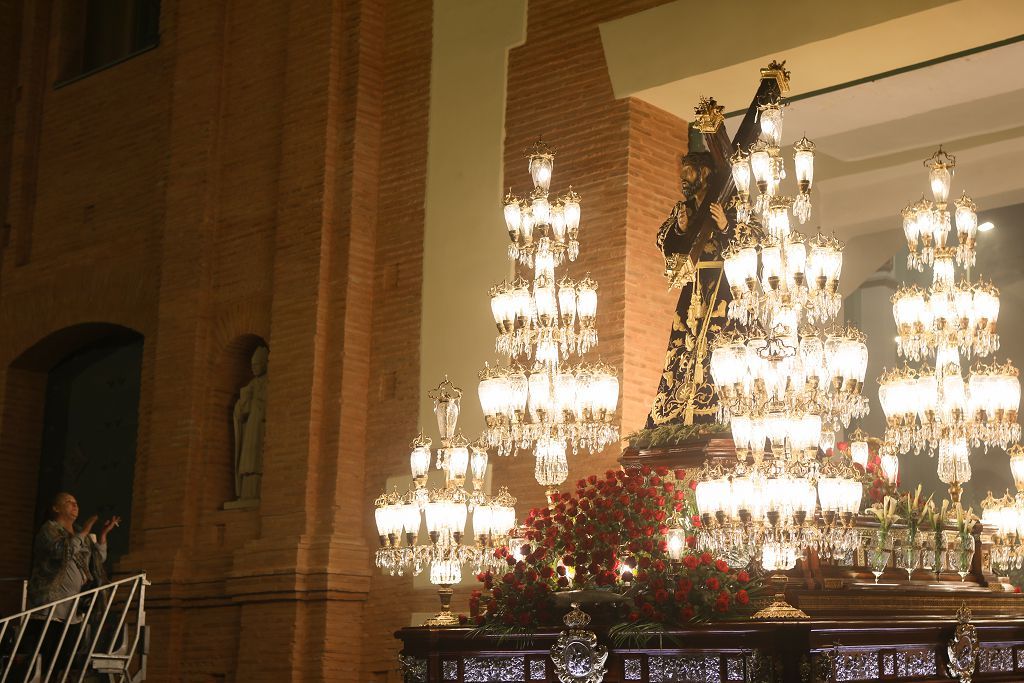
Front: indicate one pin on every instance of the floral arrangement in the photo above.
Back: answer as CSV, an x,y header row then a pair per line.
x,y
913,509
613,534
887,514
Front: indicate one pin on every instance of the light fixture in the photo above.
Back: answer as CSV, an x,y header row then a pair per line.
x,y
546,398
936,407
986,226
443,512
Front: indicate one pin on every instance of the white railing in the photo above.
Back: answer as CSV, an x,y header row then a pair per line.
x,y
103,630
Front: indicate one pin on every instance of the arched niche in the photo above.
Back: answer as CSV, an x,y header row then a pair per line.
x,y
231,371
69,420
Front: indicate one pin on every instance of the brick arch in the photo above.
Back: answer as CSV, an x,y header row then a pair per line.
x,y
21,424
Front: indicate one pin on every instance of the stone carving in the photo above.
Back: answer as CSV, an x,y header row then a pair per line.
x,y
250,417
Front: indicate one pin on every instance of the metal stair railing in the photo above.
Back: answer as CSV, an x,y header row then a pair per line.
x,y
104,632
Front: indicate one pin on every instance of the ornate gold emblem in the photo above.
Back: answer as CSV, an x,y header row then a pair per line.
x,y
576,655
708,115
962,650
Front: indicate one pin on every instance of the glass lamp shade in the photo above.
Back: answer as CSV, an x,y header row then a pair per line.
x,y
567,301
494,392
890,467
542,162
939,177
565,390
457,457
540,209
412,519
483,520
966,217
513,214
676,539
586,299
954,462
803,162
446,410
740,172
503,306
519,391
1017,466
771,123
859,453
760,164
385,519
986,304
796,261
571,204
558,222
503,518
478,464
911,228
540,393
551,468
445,572
419,459
544,298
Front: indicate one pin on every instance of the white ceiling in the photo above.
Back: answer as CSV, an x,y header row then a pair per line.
x,y
877,94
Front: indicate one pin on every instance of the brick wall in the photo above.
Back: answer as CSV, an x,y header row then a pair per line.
x,y
260,176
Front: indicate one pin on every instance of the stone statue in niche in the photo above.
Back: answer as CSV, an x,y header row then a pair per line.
x,y
250,416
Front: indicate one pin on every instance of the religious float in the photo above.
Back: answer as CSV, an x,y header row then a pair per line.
x,y
739,541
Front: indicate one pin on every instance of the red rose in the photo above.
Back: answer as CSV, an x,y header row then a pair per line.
x,y
741,597
648,610
633,616
705,558
659,565
524,618
508,578
721,565
645,470
685,586
669,487
661,595
679,495
693,484
644,562
690,561
742,576
686,613
480,619
1016,589
563,582
463,619
680,474
691,541
712,584
661,471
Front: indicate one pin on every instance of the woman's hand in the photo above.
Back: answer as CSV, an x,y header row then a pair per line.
x,y
718,213
107,526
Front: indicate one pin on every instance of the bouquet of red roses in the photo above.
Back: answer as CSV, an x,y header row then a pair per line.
x,y
612,535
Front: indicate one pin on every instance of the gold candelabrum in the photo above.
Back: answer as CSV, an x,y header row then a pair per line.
x,y
443,511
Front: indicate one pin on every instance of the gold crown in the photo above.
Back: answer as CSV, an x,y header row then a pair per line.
x,y
576,618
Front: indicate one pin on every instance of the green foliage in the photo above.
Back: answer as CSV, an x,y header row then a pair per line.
x,y
672,434
634,635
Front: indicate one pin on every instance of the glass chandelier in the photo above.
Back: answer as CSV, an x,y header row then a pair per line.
x,y
926,224
443,512
545,397
1006,516
787,376
934,407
